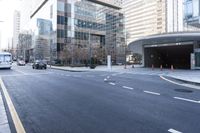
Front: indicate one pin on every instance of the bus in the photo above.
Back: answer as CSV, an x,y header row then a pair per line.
x,y
5,60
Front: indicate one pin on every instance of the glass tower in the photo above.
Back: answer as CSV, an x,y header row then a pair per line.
x,y
76,31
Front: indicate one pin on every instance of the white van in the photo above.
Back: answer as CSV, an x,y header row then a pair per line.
x,y
5,60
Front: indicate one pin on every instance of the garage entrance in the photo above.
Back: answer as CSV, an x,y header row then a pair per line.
x,y
176,55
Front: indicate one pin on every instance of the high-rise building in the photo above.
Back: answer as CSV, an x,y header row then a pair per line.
x,y
0,39
75,31
174,15
192,15
16,29
158,33
148,17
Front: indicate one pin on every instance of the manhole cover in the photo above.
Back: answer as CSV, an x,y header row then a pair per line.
x,y
183,90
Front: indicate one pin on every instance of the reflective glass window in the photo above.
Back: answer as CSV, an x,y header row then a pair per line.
x,y
61,6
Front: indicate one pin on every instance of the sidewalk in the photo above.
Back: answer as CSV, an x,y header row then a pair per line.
x,y
4,125
192,76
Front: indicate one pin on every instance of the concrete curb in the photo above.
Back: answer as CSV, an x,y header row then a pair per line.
x,y
185,81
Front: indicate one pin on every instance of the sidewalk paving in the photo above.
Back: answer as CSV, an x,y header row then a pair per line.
x,y
4,125
192,76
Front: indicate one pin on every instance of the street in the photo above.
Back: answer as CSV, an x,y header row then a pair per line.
x,y
55,101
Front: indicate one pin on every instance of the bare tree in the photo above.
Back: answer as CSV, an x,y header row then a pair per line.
x,y
65,55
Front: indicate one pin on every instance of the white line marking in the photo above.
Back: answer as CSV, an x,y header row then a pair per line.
x,y
76,76
67,75
185,85
89,75
126,87
112,83
28,74
150,92
188,100
20,72
17,122
173,131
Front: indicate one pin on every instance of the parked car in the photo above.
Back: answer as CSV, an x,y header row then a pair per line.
x,y
39,64
21,63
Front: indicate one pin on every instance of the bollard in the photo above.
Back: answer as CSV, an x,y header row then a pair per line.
x,y
152,67
160,67
172,67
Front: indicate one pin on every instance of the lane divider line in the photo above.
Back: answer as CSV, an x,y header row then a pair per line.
x,y
173,131
112,83
20,72
188,100
126,87
150,92
16,120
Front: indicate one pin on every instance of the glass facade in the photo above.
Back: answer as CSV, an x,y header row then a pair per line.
x,y
197,57
192,15
75,31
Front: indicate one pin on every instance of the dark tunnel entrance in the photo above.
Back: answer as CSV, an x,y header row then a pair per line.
x,y
176,55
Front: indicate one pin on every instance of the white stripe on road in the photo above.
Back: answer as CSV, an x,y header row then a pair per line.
x,y
17,122
188,100
126,87
150,92
76,76
90,76
20,71
112,83
28,74
173,131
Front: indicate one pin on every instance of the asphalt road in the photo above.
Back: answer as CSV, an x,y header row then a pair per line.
x,y
54,101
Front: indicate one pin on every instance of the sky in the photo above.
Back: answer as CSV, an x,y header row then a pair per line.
x,y
7,8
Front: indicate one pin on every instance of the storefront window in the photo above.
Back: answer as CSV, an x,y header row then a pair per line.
x,y
197,59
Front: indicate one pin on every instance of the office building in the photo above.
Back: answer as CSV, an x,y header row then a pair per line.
x,y
173,47
75,31
16,31
192,15
148,17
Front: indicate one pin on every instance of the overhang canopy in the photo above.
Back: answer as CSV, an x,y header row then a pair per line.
x,y
168,38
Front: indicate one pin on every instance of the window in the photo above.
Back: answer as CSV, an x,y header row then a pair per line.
x,y
61,6
61,20
60,33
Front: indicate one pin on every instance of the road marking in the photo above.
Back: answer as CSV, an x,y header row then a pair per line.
x,y
173,131
28,74
126,87
90,76
150,92
67,75
188,100
21,72
112,83
185,85
17,122
77,76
